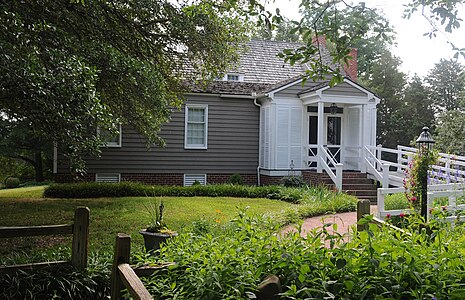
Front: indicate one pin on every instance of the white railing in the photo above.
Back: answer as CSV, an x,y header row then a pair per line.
x,y
382,212
376,167
327,156
450,191
449,168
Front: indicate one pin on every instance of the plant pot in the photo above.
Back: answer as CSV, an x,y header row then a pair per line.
x,y
153,240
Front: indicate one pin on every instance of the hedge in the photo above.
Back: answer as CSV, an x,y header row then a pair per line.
x,y
133,189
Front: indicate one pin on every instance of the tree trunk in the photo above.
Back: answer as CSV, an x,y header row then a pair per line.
x,y
38,167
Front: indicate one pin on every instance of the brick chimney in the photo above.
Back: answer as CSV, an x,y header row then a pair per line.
x,y
351,67
319,39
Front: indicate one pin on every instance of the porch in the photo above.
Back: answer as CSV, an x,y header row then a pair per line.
x,y
388,166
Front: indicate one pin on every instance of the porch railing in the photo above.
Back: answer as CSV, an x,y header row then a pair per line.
x,y
325,157
375,166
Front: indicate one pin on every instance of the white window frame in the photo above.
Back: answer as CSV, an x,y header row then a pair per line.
x,y
113,144
239,76
196,146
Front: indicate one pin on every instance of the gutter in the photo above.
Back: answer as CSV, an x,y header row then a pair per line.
x,y
254,95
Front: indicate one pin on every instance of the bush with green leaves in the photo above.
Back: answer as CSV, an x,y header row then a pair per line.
x,y
12,182
62,283
236,179
293,181
128,189
229,261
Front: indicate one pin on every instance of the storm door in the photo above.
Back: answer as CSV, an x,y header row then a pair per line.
x,y
333,137
312,141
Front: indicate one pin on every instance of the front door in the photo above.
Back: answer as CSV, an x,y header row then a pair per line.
x,y
333,136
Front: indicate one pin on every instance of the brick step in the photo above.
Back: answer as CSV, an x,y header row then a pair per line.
x,y
357,181
362,192
355,187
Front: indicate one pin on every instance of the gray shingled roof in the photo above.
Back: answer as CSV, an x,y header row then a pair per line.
x,y
262,69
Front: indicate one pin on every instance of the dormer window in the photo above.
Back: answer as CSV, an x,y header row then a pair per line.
x,y
233,77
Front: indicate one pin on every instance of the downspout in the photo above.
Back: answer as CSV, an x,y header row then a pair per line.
x,y
254,95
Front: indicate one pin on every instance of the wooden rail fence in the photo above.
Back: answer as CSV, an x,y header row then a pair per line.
x,y
79,229
124,276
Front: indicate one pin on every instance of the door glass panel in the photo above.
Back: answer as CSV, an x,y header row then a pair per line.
x,y
312,129
334,131
312,139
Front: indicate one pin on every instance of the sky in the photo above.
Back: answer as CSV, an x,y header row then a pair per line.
x,y
419,53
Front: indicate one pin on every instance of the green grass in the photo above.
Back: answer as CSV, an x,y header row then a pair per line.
x,y
26,192
396,201
109,216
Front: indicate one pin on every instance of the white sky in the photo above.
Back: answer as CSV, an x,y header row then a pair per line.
x,y
419,53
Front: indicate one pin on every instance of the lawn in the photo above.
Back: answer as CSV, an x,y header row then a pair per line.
x,y
109,216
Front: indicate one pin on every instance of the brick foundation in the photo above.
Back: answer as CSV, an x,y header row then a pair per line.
x,y
159,178
270,180
154,178
249,179
314,178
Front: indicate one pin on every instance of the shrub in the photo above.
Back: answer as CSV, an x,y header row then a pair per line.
x,y
236,179
293,181
229,262
62,283
11,182
132,189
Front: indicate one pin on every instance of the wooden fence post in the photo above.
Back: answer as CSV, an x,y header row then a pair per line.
x,y
363,208
121,255
80,238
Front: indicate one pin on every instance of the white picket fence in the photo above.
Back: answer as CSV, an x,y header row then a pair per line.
x,y
451,191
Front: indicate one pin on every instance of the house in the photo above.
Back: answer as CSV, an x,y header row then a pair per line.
x,y
259,121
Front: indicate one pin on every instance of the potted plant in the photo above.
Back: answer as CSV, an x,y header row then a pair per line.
x,y
156,232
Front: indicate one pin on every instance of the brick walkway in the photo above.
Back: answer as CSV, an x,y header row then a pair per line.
x,y
343,220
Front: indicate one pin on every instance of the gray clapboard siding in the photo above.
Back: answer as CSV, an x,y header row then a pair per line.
x,y
232,144
344,89
293,90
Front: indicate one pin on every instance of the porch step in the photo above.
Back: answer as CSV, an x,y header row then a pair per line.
x,y
358,186
354,183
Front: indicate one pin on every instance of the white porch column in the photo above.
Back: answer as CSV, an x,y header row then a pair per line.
x,y
321,107
363,137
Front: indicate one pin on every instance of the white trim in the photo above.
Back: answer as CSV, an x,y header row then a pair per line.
x,y
357,86
186,112
106,175
202,178
284,172
113,144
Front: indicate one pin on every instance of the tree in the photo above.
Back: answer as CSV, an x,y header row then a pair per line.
x,y
67,68
359,26
389,83
446,85
280,32
18,140
450,132
417,110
